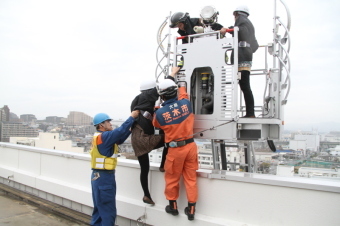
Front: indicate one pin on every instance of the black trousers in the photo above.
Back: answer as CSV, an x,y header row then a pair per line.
x,y
144,172
144,163
247,93
165,152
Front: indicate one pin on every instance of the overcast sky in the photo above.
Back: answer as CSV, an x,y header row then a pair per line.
x,y
58,56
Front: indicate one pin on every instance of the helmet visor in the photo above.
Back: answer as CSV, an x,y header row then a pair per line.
x,y
168,91
174,25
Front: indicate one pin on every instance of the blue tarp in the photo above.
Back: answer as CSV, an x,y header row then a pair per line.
x,y
279,151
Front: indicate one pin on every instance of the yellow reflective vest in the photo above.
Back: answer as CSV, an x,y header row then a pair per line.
x,y
99,161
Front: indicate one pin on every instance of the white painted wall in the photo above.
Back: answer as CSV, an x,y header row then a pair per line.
x,y
225,198
155,156
318,172
49,141
285,171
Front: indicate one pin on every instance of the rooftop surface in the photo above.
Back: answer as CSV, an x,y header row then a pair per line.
x,y
15,211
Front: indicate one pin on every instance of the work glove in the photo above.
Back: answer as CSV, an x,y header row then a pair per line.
x,y
158,103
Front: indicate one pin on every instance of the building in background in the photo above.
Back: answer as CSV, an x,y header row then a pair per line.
x,y
332,136
28,118
312,141
15,129
4,114
298,145
319,172
54,119
335,151
76,118
53,141
305,140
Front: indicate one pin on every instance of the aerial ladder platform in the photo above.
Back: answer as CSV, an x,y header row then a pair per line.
x,y
212,84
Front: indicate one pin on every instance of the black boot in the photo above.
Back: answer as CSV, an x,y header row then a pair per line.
x,y
172,208
190,211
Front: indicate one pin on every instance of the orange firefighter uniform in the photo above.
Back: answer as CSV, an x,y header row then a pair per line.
x,y
176,119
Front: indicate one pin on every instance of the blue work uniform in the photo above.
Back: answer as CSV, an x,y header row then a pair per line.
x,y
103,182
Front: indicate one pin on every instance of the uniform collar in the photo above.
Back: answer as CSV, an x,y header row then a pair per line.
x,y
169,101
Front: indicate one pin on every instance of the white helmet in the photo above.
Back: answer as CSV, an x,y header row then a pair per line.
x,y
209,14
147,84
167,87
242,8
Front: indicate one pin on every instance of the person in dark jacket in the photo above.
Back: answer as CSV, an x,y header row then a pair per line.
x,y
247,46
186,25
143,138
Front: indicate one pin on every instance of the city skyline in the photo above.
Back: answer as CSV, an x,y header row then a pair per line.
x,y
319,127
61,56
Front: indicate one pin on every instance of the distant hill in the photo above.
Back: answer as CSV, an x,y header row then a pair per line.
x,y
320,127
13,117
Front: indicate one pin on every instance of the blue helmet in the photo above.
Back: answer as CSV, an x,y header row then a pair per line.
x,y
100,117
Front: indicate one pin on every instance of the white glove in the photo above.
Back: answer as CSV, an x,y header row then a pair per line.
x,y
158,103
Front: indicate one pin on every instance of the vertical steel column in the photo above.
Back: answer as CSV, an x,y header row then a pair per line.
x,y
274,35
214,149
223,155
246,157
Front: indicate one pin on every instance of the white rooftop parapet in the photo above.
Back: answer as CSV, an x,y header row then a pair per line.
x,y
225,198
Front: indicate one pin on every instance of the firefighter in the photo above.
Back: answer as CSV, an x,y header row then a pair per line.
x,y
247,46
104,153
186,25
176,119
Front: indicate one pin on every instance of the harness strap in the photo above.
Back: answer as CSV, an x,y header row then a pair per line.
x,y
175,144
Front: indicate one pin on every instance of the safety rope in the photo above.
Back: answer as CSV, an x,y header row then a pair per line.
x,y
212,128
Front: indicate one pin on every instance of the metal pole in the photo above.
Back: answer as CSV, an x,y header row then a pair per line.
x,y
215,155
274,35
246,156
223,155
168,49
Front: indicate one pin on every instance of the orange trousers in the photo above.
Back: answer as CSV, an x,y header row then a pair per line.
x,y
181,161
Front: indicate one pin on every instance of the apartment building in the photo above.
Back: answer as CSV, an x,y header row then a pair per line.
x,y
15,129
76,118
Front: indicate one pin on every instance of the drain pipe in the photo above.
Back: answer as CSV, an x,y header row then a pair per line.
x,y
9,178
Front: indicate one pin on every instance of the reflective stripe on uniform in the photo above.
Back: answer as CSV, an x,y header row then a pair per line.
x,y
99,166
99,161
